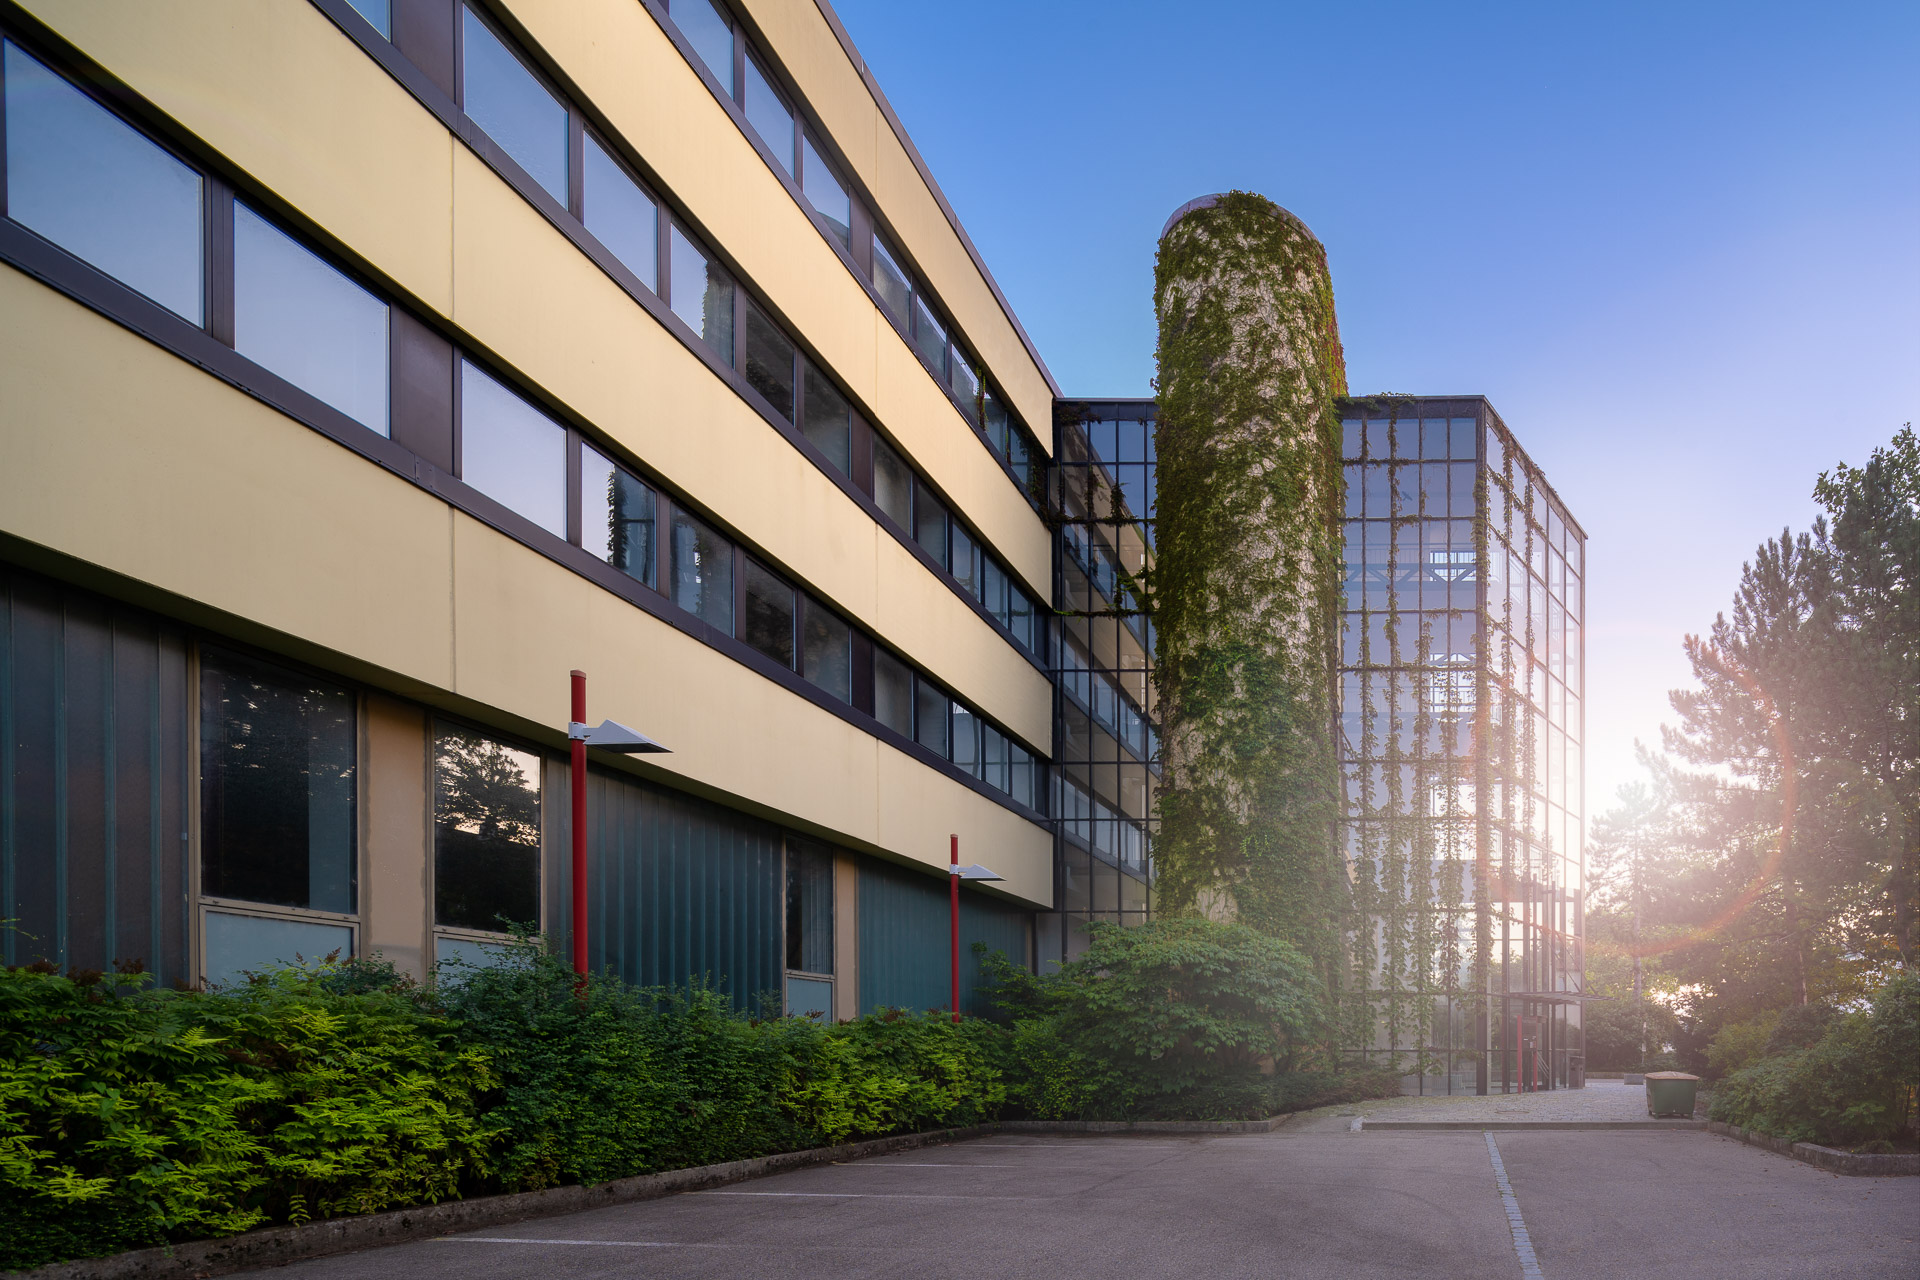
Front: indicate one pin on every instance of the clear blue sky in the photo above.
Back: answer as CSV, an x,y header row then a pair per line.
x,y
1676,244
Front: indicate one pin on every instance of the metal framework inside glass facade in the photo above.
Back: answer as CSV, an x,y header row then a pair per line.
x,y
1461,722
1100,501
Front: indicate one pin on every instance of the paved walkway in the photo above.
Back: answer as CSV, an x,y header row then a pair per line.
x,y
1601,1100
1586,1205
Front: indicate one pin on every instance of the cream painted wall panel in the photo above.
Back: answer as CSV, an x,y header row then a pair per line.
x,y
631,72
396,829
127,457
547,310
800,38
276,88
918,810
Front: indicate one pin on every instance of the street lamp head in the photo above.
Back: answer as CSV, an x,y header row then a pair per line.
x,y
976,872
614,736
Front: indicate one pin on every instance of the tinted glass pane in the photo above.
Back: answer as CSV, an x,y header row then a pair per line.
x,y
238,945
827,651
512,452
892,484
702,572
277,764
929,338
1464,434
91,184
890,281
809,908
486,832
966,739
1433,438
930,524
378,12
965,563
1020,770
996,422
711,36
965,384
769,116
930,717
620,214
769,620
702,295
769,362
617,516
825,193
892,692
505,99
299,317
829,420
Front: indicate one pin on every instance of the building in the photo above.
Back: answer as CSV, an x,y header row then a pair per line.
x,y
1461,724
371,364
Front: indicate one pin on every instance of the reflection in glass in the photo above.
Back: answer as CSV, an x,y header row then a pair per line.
x,y
809,907
486,824
94,186
930,524
295,315
929,338
890,281
995,412
892,692
711,35
828,419
892,484
826,644
277,775
769,620
965,384
702,294
512,452
377,12
930,717
617,516
769,362
825,192
501,96
769,116
702,572
620,214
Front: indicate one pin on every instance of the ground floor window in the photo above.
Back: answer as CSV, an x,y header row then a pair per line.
x,y
809,930
486,834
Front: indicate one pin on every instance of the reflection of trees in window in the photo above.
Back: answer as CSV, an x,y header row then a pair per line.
x,y
486,832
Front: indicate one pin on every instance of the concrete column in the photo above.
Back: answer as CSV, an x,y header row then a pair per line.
x,y
397,835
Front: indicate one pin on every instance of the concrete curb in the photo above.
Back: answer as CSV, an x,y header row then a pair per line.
x,y
1833,1161
1521,1126
276,1246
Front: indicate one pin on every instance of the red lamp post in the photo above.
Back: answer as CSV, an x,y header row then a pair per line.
x,y
610,736
955,874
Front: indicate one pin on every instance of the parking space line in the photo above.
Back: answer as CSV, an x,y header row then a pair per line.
x,y
624,1244
857,1195
1522,1242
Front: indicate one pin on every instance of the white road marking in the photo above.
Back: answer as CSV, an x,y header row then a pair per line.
x,y
628,1244
1522,1243
851,1195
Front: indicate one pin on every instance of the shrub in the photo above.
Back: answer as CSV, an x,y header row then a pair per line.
x,y
1740,1044
1305,1090
1613,1030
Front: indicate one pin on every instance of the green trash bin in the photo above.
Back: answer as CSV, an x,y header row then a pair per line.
x,y
1671,1093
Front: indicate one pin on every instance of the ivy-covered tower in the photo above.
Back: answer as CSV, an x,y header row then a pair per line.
x,y
1246,583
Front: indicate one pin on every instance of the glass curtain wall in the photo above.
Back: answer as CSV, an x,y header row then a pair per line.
x,y
1460,726
1101,503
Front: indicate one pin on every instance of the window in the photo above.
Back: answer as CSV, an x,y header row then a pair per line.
x,y
890,281
892,484
702,295
966,739
825,192
828,420
965,383
964,562
996,422
702,572
500,95
929,339
930,717
378,13
277,786
826,643
295,315
486,832
711,35
619,214
892,692
512,452
769,362
85,180
809,908
930,524
617,517
769,620
768,115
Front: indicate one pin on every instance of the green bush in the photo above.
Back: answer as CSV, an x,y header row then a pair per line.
x,y
131,1117
1305,1090
1829,1077
1613,1030
1179,1018
1740,1044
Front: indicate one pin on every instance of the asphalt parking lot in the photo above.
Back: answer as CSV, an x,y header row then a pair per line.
x,y
1305,1204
